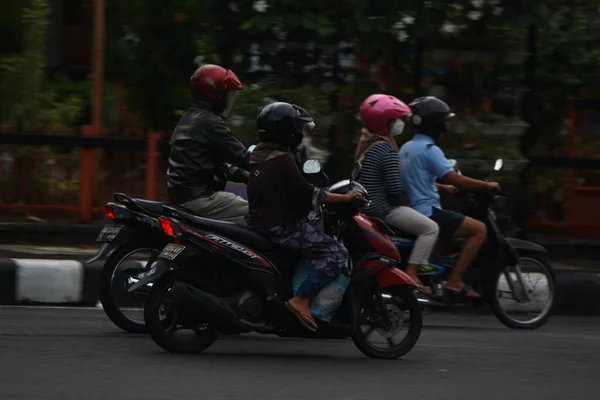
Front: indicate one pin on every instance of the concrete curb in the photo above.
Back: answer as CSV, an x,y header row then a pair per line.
x,y
52,282
70,282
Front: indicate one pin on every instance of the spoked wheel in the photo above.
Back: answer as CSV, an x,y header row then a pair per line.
x,y
167,324
125,309
397,323
532,275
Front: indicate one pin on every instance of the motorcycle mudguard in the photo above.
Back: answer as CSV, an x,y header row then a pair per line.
x,y
111,240
102,252
519,244
394,276
155,272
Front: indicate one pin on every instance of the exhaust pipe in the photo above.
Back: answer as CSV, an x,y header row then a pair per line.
x,y
197,301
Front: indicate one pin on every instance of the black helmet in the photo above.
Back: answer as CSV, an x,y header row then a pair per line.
x,y
429,115
283,123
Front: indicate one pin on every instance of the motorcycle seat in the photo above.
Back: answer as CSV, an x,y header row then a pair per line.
x,y
393,232
243,235
150,206
137,204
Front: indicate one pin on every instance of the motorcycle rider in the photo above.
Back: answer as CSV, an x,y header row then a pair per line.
x,y
280,198
382,118
423,162
201,146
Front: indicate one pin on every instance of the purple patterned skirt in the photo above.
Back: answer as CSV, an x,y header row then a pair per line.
x,y
324,255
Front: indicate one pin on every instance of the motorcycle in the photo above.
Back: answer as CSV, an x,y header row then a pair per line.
x,y
216,277
497,272
135,231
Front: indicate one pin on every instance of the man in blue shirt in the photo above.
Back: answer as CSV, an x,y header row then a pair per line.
x,y
423,164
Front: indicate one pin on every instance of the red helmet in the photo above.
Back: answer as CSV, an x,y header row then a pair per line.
x,y
216,86
378,110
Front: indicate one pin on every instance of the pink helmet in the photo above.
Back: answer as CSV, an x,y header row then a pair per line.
x,y
377,111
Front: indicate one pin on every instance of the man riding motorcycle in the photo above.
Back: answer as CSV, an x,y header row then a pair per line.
x,y
423,163
201,146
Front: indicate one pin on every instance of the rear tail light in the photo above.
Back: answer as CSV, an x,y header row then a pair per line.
x,y
108,210
167,227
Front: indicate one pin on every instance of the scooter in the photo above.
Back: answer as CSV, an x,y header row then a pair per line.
x,y
498,272
216,276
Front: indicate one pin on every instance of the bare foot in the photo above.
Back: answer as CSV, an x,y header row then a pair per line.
x,y
301,310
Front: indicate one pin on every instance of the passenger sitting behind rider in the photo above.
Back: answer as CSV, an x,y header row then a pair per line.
x,y
280,198
382,118
423,162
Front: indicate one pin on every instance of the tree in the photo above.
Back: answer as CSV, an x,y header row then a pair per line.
x,y
25,101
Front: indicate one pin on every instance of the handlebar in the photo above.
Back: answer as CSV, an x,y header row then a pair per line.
x,y
466,193
359,202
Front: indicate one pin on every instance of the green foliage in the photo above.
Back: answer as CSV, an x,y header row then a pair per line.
x,y
568,60
251,100
25,101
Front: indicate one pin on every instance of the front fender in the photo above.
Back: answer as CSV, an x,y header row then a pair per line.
x,y
524,245
394,276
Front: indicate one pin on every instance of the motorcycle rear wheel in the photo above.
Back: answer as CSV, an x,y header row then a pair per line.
x,y
398,298
159,328
107,277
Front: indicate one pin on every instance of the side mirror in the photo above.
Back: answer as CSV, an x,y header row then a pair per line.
x,y
356,171
251,148
312,166
498,165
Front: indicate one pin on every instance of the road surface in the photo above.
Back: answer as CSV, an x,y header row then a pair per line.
x,y
66,354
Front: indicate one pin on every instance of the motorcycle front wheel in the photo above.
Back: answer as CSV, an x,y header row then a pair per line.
x,y
404,318
540,283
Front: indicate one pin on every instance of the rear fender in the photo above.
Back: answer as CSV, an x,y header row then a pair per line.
x,y
111,237
157,271
394,276
170,256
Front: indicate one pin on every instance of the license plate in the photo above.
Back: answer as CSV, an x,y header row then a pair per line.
x,y
171,251
108,233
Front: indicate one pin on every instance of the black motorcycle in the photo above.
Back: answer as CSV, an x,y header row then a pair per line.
x,y
132,241
217,278
134,233
498,272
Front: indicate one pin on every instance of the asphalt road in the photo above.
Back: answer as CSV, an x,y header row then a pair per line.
x,y
67,354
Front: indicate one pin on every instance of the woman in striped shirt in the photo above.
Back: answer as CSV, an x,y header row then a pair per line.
x,y
382,118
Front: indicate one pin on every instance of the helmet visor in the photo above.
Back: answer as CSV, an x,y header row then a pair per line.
x,y
449,121
230,101
308,127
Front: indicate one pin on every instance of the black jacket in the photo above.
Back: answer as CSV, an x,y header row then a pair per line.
x,y
202,151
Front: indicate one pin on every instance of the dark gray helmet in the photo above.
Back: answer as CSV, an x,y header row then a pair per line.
x,y
429,116
283,123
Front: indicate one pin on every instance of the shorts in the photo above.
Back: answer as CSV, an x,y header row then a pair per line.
x,y
448,221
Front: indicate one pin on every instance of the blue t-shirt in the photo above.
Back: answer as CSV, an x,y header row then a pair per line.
x,y
422,164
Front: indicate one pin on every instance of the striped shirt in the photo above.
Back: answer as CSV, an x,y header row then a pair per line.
x,y
380,175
